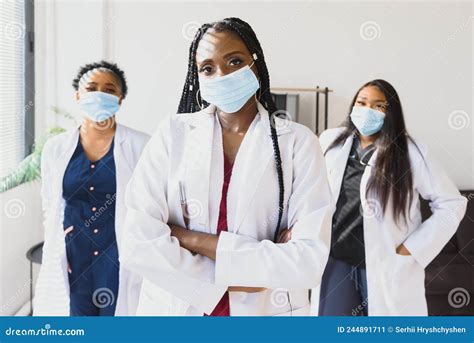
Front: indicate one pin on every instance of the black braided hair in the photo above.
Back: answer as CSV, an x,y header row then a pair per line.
x,y
189,102
102,64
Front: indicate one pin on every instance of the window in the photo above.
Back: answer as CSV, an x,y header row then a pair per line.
x,y
16,83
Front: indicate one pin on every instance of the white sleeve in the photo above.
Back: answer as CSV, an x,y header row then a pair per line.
x,y
324,140
147,248
298,264
50,291
45,171
447,205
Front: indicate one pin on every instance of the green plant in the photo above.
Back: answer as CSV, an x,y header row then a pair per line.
x,y
29,169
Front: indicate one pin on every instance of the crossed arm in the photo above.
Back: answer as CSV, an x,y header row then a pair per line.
x,y
206,244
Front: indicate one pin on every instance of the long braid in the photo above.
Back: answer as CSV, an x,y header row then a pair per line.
x,y
189,102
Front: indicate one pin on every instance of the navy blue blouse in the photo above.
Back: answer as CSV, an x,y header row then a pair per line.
x,y
89,189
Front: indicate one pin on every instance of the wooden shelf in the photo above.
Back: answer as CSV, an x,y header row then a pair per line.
x,y
314,90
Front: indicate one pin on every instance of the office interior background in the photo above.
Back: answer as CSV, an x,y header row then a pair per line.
x,y
424,48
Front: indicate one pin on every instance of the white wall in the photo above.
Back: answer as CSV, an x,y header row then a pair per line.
x,y
21,228
422,48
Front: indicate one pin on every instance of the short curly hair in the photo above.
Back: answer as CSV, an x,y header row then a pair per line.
x,y
102,64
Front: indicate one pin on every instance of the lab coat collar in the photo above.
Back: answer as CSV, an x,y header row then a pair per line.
x,y
337,174
346,148
199,151
120,134
282,125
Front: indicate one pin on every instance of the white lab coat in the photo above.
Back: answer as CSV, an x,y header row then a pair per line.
x,y
188,148
396,283
52,287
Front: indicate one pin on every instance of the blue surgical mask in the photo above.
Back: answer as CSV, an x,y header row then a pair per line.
x,y
230,92
99,106
367,120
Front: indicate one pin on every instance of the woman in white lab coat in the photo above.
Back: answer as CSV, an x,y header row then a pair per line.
x,y
84,173
236,177
380,247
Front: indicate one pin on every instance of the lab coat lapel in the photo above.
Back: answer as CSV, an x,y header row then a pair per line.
x,y
255,153
337,172
197,157
61,159
55,225
123,171
122,151
66,150
371,206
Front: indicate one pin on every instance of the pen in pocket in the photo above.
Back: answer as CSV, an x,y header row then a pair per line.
x,y
184,204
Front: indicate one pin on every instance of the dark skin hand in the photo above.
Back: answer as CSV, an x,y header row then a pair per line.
x,y
219,54
206,244
372,97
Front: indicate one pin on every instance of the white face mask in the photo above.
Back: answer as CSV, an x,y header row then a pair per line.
x,y
99,106
230,92
367,120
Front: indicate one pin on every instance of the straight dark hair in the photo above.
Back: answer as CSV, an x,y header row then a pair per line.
x,y
392,176
189,98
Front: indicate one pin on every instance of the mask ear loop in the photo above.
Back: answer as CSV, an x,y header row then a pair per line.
x,y
258,91
197,99
255,57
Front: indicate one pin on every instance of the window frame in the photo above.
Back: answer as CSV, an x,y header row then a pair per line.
x,y
29,79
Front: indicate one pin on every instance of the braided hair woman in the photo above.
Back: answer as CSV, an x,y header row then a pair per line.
x,y
229,210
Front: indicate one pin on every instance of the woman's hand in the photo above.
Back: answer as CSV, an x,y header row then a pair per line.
x,y
183,235
284,236
197,242
401,250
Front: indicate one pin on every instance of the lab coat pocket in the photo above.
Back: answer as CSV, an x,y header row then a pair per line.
x,y
153,301
408,285
195,196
